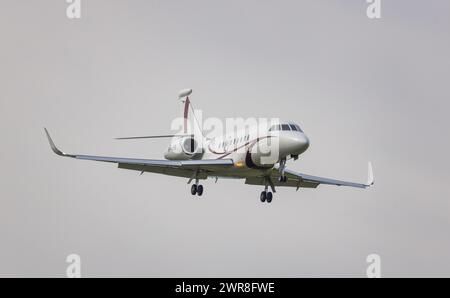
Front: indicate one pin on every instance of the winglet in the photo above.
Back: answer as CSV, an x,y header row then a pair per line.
x,y
370,180
53,146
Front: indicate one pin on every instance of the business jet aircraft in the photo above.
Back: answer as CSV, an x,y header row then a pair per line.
x,y
229,156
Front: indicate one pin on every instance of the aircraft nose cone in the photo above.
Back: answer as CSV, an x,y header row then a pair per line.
x,y
302,143
292,143
296,144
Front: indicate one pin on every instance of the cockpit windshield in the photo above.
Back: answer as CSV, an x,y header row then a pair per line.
x,y
295,127
285,127
275,128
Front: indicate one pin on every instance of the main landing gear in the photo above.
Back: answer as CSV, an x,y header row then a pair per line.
x,y
266,196
197,189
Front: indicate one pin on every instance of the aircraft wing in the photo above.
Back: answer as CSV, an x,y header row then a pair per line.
x,y
299,180
169,167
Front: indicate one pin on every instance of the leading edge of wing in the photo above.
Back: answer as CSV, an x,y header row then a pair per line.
x,y
323,180
137,161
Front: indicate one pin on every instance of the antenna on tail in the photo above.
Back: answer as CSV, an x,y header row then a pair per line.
x,y
184,94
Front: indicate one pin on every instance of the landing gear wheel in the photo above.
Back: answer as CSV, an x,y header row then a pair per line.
x,y
269,197
262,197
199,190
194,189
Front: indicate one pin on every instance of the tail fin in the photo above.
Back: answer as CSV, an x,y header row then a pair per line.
x,y
187,106
184,97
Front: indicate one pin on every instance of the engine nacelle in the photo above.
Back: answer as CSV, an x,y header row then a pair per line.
x,y
262,155
184,148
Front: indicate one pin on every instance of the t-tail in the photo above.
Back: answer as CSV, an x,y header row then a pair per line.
x,y
186,131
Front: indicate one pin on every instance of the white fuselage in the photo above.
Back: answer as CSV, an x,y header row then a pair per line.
x,y
252,150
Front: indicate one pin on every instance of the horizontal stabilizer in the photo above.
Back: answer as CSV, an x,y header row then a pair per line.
x,y
153,137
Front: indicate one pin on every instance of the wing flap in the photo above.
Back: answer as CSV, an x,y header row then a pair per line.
x,y
300,180
322,180
291,182
172,171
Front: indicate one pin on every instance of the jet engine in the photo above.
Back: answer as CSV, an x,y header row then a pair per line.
x,y
184,148
262,154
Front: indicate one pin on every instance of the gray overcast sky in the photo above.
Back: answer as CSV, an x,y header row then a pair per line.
x,y
361,89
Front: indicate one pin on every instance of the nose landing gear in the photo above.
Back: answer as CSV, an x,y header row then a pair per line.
x,y
281,169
